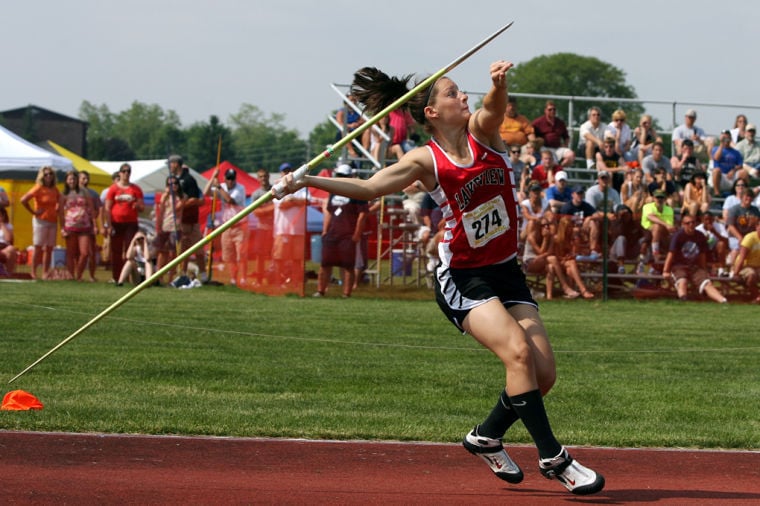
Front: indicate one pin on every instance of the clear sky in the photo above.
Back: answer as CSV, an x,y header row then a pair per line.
x,y
204,57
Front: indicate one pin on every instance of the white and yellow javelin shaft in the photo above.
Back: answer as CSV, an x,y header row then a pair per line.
x,y
275,191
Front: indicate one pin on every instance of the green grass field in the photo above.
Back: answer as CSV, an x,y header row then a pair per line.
x,y
382,365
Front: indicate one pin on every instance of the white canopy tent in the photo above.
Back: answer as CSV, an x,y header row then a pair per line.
x,y
149,175
20,159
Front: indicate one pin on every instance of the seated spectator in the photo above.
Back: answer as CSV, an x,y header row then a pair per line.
x,y
378,147
687,261
741,221
747,265
8,252
531,154
516,129
553,131
582,214
403,125
538,258
685,164
559,193
696,197
566,251
610,160
532,209
717,243
349,120
604,205
662,183
591,135
624,235
520,170
688,130
644,137
657,160
658,222
137,266
621,132
543,174
738,133
749,148
728,165
734,199
634,192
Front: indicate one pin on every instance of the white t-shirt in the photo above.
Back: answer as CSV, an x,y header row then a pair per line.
x,y
291,221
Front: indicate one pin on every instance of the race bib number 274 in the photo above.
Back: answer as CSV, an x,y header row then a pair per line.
x,y
488,221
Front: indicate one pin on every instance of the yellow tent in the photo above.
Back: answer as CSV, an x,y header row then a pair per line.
x,y
99,179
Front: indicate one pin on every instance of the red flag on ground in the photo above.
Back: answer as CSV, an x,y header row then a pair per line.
x,y
18,400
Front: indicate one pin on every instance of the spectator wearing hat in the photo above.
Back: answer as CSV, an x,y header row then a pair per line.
x,y
235,239
685,164
687,261
728,165
289,233
688,130
749,148
560,192
553,132
190,228
696,196
341,231
658,222
533,209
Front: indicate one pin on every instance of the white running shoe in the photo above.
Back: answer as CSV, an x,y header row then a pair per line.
x,y
493,453
576,478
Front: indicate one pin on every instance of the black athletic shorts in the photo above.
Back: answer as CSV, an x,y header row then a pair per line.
x,y
458,291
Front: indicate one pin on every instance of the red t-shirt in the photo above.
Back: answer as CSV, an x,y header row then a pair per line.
x,y
124,199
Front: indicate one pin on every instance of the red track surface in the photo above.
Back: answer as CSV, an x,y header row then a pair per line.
x,y
44,468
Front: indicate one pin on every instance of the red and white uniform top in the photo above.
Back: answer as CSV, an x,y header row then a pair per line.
x,y
479,206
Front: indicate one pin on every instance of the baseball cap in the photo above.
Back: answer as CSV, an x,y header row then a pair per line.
x,y
230,174
175,158
691,113
560,176
579,189
285,167
751,126
602,173
659,194
342,170
534,187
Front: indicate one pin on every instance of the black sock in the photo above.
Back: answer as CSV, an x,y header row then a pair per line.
x,y
500,419
530,408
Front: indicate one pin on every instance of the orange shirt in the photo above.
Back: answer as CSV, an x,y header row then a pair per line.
x,y
46,198
515,130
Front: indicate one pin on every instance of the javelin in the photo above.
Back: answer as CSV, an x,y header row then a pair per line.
x,y
275,191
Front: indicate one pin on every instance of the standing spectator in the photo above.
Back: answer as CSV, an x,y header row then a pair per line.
x,y
634,192
612,161
190,227
622,134
685,164
169,210
97,221
687,261
76,212
234,239
688,130
554,133
263,221
124,203
516,129
644,137
559,193
696,196
728,165
658,222
289,232
747,265
342,229
740,221
8,252
45,196
592,136
749,148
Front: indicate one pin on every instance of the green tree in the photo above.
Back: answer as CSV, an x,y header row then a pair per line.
x,y
150,131
203,144
321,138
264,142
577,76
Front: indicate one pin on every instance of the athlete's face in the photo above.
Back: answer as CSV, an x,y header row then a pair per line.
x,y
449,104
